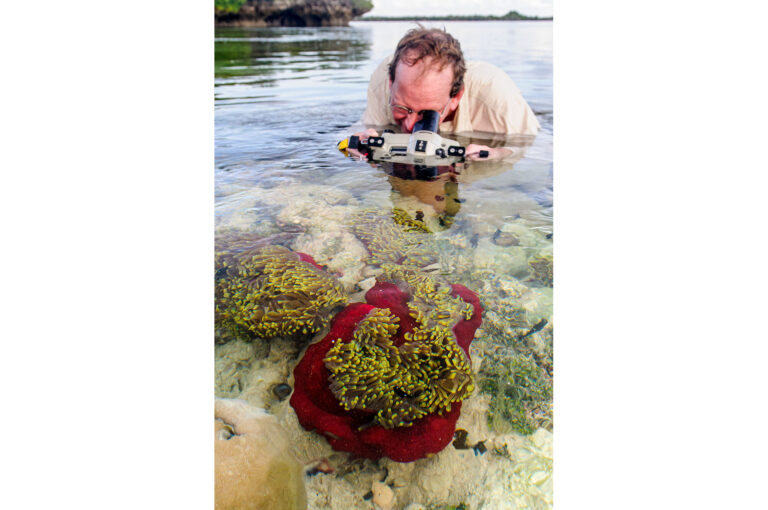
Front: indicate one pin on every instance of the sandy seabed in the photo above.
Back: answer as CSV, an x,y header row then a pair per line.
x,y
504,470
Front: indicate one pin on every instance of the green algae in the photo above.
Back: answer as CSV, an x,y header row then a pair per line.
x,y
541,270
521,394
517,347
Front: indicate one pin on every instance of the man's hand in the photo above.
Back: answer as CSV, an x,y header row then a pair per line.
x,y
484,153
363,136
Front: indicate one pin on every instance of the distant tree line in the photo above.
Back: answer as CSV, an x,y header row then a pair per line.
x,y
510,16
228,5
236,5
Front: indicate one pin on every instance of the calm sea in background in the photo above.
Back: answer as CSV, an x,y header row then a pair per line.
x,y
290,94
284,98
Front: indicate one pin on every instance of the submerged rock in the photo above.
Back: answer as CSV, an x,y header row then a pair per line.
x,y
282,391
254,467
339,251
383,496
233,362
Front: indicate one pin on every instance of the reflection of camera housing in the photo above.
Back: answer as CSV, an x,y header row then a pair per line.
x,y
422,147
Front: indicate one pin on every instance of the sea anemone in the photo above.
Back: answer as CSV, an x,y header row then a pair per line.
x,y
401,217
424,375
271,291
389,378
393,240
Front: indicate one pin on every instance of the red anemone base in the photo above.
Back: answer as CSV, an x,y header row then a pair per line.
x,y
351,431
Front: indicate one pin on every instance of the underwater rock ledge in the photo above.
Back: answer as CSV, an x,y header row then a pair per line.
x,y
254,467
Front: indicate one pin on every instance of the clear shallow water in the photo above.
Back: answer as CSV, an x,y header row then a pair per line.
x,y
285,97
290,95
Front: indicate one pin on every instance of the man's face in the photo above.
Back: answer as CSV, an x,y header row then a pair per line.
x,y
421,87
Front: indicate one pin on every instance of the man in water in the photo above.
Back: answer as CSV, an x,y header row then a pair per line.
x,y
428,72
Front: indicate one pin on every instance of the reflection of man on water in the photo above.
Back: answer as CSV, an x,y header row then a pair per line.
x,y
439,191
428,72
438,187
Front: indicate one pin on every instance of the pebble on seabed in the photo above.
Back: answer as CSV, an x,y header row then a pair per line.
x,y
501,238
281,391
383,496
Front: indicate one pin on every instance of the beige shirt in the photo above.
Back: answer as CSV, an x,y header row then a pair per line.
x,y
491,103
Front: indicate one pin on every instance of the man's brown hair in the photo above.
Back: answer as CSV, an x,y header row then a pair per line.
x,y
422,42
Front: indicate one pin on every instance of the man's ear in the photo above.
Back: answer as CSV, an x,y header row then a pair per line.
x,y
455,99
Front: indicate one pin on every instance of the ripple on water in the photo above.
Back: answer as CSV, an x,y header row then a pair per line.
x,y
284,97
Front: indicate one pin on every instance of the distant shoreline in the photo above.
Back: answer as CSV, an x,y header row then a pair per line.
x,y
446,19
510,16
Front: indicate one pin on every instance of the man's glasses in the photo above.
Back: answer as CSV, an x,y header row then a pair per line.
x,y
399,112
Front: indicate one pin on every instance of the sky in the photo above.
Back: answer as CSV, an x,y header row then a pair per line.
x,y
435,7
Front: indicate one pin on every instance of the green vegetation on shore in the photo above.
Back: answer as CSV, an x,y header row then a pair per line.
x,y
228,5
510,16
236,5
363,4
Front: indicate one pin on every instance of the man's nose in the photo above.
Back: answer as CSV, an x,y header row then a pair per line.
x,y
410,121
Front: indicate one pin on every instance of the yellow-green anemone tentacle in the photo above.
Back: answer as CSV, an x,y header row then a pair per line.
x,y
423,376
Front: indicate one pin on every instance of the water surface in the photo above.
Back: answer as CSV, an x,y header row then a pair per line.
x,y
284,97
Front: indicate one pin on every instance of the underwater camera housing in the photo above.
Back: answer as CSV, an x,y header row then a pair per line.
x,y
423,148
